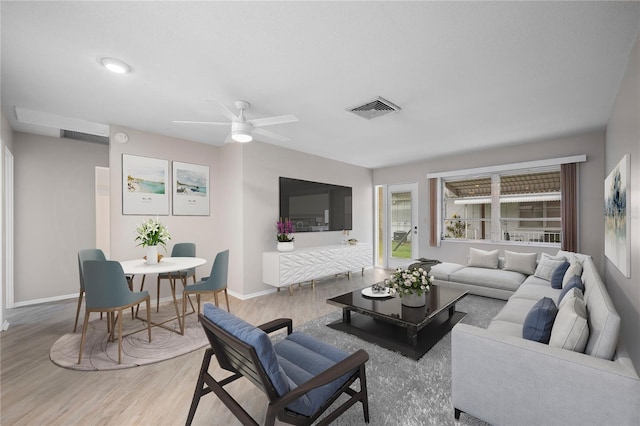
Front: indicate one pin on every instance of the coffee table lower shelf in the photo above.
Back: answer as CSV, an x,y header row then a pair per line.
x,y
393,337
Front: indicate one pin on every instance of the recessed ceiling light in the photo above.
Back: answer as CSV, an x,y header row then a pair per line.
x,y
115,65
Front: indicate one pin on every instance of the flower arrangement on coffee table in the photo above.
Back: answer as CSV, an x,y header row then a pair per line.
x,y
404,282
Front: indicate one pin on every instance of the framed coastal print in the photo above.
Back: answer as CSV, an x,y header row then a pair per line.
x,y
145,185
190,189
617,239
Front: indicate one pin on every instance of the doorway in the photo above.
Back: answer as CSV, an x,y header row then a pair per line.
x,y
397,225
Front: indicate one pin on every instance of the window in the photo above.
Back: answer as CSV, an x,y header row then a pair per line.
x,y
515,205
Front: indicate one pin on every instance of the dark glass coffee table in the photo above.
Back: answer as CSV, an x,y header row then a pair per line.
x,y
380,320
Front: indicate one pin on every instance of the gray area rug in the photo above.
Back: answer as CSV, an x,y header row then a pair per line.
x,y
99,354
403,391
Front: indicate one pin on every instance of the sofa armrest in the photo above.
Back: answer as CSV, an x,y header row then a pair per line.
x,y
508,380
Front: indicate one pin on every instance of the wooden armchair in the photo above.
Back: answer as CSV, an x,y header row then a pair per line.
x,y
320,372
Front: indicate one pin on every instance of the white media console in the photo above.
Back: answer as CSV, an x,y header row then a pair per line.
x,y
281,269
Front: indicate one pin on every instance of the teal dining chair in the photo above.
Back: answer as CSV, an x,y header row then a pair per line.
x,y
107,290
179,250
83,256
214,283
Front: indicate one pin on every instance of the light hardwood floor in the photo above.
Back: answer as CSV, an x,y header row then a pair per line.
x,y
34,391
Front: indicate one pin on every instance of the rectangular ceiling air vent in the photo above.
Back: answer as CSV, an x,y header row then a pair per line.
x,y
374,108
79,136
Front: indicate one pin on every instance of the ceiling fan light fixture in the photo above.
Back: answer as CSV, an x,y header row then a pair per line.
x,y
241,137
115,65
241,132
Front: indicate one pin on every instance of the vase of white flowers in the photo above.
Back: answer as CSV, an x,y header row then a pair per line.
x,y
410,285
151,234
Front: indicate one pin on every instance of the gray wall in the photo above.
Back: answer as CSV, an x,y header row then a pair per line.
x,y
591,175
623,137
54,212
6,140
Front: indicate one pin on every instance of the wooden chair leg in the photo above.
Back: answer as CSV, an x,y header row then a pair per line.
x,y
184,315
226,296
130,283
198,300
75,325
148,301
84,334
119,336
158,295
197,394
215,298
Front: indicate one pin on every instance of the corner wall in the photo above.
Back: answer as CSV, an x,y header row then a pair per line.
x,y
263,164
623,137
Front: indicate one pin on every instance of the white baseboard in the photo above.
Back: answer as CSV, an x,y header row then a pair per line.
x,y
251,295
45,300
5,325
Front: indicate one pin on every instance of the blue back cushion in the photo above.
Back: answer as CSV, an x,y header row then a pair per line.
x,y
574,281
539,321
253,336
558,275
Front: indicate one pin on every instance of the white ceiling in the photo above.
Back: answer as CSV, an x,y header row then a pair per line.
x,y
466,74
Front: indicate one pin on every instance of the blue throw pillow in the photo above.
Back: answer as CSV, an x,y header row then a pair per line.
x,y
558,275
574,281
539,321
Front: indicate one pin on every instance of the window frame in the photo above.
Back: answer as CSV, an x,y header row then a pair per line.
x,y
523,167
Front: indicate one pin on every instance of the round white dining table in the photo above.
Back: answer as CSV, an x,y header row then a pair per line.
x,y
166,265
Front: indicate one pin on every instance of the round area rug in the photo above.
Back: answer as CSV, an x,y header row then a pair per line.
x,y
100,354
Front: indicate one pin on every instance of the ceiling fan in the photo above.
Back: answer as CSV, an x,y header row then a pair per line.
x,y
242,130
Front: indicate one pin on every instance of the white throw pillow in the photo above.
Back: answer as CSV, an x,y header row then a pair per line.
x,y
571,294
547,265
570,329
520,262
483,258
575,268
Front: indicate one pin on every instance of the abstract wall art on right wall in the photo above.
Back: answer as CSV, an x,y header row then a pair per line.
x,y
617,237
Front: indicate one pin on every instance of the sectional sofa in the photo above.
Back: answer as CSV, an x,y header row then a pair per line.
x,y
505,379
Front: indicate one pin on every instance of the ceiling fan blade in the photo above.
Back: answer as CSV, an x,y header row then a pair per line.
x,y
228,138
226,111
268,121
209,123
270,135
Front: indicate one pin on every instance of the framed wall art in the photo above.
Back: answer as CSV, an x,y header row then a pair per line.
x,y
190,189
145,185
617,239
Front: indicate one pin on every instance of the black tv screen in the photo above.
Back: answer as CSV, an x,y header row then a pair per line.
x,y
314,206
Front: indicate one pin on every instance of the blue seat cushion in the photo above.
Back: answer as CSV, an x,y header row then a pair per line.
x,y
303,357
252,336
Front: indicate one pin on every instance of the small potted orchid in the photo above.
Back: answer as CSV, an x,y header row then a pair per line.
x,y
151,234
284,235
410,285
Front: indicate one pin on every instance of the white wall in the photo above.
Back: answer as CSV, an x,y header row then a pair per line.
x,y
263,164
54,212
623,137
591,175
201,230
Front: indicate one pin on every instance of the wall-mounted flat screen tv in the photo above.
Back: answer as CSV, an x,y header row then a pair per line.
x,y
314,206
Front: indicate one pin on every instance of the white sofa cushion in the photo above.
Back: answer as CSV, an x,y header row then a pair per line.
x,y
570,329
490,278
443,271
520,262
575,268
483,259
547,265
